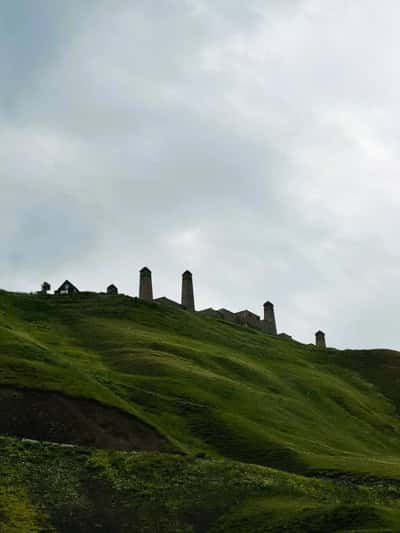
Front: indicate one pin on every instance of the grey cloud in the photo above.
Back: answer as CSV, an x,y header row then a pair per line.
x,y
256,145
33,35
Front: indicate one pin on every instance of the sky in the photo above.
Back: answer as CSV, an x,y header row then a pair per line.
x,y
256,144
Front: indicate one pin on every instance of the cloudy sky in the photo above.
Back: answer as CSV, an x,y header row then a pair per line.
x,y
255,143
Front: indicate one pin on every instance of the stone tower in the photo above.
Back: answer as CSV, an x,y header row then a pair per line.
x,y
145,285
187,291
269,319
320,339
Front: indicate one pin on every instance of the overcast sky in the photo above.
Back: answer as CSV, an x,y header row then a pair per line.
x,y
255,143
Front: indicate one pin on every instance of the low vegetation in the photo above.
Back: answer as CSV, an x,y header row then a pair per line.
x,y
253,433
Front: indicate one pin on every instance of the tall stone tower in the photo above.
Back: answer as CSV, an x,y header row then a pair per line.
x,y
187,291
269,319
320,339
145,285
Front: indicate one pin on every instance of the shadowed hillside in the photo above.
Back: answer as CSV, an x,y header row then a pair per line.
x,y
114,372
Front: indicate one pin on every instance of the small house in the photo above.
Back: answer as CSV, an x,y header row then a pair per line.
x,y
67,288
112,289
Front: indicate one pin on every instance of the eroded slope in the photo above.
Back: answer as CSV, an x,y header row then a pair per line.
x,y
204,385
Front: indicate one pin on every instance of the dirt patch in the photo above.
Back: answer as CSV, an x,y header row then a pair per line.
x,y
53,417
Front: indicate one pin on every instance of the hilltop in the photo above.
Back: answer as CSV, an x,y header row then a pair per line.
x,y
166,409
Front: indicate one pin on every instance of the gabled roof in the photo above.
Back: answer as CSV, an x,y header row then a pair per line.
x,y
66,285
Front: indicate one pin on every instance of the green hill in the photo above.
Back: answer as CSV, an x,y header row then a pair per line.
x,y
218,427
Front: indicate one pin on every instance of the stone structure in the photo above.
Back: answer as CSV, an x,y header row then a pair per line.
x,y
112,289
248,319
187,291
167,301
269,322
320,339
211,313
67,288
285,336
244,318
145,285
228,315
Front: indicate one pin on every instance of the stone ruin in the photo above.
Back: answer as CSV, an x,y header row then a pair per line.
x,y
243,318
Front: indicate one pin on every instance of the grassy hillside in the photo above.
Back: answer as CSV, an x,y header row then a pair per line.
x,y
58,488
207,389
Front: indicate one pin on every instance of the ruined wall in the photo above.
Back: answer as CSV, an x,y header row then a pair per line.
x,y
249,319
228,315
167,301
211,313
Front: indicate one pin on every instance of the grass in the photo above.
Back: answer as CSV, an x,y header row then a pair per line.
x,y
245,401
84,490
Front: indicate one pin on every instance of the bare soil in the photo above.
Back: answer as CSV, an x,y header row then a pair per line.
x,y
53,417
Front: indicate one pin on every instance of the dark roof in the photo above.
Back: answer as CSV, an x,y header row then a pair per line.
x,y
268,304
145,269
65,285
319,332
112,286
187,273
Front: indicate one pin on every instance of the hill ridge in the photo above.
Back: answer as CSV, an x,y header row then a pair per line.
x,y
204,388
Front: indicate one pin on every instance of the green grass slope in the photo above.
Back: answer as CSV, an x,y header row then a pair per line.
x,y
206,385
214,390
46,487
